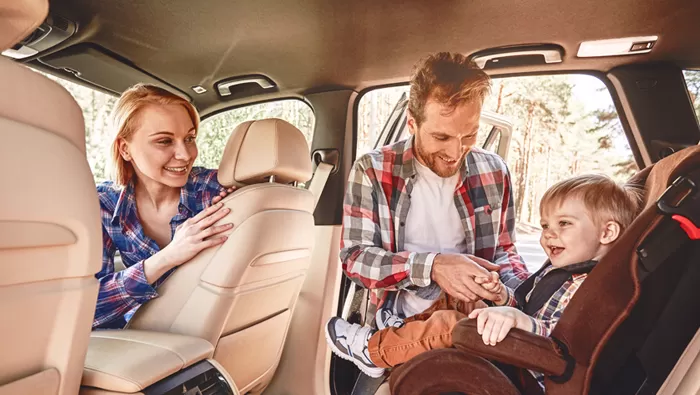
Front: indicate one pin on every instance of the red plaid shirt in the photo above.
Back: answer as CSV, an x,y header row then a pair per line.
x,y
375,211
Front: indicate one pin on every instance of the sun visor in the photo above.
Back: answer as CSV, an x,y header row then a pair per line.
x,y
97,66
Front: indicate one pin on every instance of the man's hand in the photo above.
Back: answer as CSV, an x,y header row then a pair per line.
x,y
455,274
494,323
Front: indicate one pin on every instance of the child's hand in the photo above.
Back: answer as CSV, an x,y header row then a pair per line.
x,y
494,323
493,284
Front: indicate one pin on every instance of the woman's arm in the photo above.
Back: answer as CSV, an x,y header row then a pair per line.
x,y
121,291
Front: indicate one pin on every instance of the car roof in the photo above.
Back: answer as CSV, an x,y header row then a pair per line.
x,y
308,46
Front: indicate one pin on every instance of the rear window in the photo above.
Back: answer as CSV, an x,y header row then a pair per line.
x,y
215,130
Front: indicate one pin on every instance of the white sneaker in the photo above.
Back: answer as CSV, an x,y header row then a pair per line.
x,y
349,341
386,318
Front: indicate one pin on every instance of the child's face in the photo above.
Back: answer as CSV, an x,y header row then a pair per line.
x,y
569,234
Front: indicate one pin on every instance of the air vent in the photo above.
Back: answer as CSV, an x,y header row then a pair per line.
x,y
60,22
52,32
201,378
37,35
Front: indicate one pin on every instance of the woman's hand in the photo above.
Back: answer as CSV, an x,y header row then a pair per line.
x,y
222,195
191,237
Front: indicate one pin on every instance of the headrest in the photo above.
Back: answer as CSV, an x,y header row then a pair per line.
x,y
26,96
18,18
257,150
657,178
29,98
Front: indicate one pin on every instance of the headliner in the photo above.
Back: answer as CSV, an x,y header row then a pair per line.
x,y
308,46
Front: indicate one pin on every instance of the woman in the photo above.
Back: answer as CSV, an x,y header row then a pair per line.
x,y
156,211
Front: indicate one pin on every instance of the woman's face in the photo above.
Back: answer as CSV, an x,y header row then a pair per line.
x,y
163,147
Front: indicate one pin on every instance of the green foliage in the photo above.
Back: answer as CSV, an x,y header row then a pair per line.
x,y
563,126
215,130
692,79
97,107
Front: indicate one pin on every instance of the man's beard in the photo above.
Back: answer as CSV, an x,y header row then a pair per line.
x,y
431,161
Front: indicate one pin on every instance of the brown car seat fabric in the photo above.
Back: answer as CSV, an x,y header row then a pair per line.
x,y
632,308
240,296
449,370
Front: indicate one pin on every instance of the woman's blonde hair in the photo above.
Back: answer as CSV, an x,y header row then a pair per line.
x,y
125,121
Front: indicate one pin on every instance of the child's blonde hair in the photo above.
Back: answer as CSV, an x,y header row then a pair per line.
x,y
604,199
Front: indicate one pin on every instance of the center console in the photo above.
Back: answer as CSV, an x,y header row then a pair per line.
x,y
152,363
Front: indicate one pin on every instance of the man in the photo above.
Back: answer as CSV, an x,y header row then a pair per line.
x,y
432,212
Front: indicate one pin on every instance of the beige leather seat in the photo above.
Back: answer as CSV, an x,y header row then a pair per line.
x,y
50,236
240,296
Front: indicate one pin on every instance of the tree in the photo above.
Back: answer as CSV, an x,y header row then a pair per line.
x,y
609,134
96,107
692,79
215,131
556,137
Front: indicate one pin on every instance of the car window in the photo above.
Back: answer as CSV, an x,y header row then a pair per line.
x,y
215,130
97,108
563,125
692,79
373,111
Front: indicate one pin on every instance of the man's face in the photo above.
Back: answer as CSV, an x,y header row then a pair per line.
x,y
445,136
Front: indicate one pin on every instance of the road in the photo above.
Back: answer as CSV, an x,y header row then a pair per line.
x,y
528,246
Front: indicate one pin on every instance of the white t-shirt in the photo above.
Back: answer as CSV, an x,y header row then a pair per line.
x,y
433,225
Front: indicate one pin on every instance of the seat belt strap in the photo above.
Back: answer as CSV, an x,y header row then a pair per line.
x,y
318,182
366,385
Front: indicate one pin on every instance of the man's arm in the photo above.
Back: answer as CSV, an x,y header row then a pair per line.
x,y
364,257
512,269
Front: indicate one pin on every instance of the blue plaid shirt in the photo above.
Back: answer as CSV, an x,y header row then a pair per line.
x,y
121,293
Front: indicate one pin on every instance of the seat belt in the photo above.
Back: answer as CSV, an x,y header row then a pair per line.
x,y
364,385
318,182
679,204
